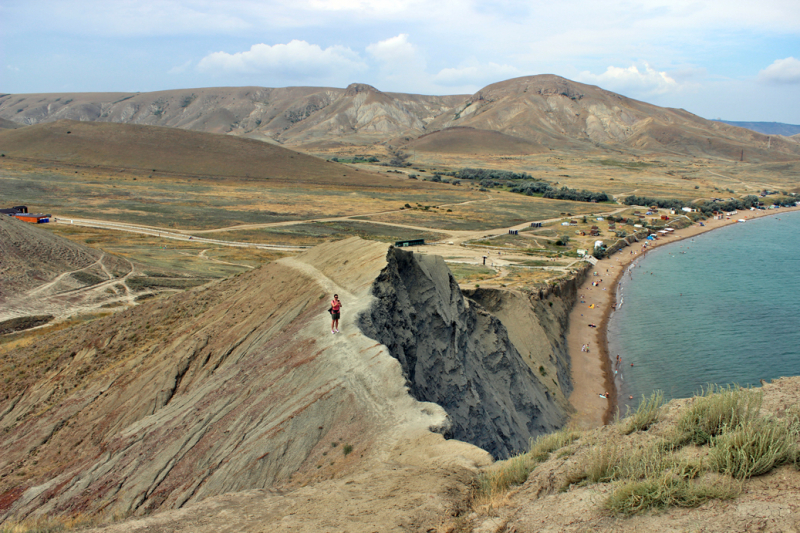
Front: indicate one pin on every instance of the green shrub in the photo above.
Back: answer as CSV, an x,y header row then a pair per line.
x,y
754,448
347,449
86,278
719,408
645,415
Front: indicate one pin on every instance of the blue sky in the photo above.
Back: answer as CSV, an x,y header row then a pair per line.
x,y
731,59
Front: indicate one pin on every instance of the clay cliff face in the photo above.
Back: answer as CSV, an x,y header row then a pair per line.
x,y
458,355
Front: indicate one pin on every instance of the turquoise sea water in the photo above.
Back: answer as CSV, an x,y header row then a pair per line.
x,y
723,307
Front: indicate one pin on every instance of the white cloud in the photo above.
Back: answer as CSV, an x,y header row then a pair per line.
x,y
476,74
394,51
296,58
372,7
782,71
646,82
400,64
180,69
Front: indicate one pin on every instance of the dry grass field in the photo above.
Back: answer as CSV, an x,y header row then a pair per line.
x,y
159,256
240,190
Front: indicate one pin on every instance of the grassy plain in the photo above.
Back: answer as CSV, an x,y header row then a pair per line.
x,y
312,233
497,210
663,175
203,203
156,256
286,198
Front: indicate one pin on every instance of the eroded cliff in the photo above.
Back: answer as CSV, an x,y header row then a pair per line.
x,y
457,354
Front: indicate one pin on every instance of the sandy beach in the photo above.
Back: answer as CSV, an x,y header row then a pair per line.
x,y
592,370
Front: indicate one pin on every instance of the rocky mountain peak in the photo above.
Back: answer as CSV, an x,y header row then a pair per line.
x,y
355,88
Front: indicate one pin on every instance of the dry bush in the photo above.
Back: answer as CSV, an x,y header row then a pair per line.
x,y
614,461
48,525
515,471
645,415
754,447
673,488
719,408
544,445
45,524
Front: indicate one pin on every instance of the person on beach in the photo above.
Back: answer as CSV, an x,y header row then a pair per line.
x,y
336,307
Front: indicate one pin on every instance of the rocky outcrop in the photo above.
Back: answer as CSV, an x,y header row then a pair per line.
x,y
455,353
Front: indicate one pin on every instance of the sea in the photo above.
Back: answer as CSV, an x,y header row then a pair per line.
x,y
720,308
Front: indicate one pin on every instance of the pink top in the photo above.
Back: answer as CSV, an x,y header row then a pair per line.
x,y
336,304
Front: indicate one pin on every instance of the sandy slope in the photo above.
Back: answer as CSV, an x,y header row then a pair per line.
x,y
233,387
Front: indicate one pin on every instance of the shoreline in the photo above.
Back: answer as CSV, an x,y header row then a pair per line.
x,y
592,372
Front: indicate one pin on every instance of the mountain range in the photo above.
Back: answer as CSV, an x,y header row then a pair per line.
x,y
518,116
767,128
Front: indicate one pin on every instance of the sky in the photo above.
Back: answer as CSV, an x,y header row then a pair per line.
x,y
729,59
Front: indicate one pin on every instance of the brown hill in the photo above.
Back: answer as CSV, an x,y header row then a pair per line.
x,y
548,111
44,275
276,114
170,150
462,140
30,256
240,385
556,113
554,497
6,124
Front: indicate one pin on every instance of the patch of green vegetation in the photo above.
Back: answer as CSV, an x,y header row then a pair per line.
x,y
465,273
139,283
312,233
87,278
630,165
737,442
754,447
515,471
672,489
22,323
356,159
504,211
646,414
540,263
718,409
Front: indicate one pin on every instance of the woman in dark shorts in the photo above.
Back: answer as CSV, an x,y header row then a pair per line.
x,y
336,306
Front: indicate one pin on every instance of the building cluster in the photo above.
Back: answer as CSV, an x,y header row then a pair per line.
x,y
20,212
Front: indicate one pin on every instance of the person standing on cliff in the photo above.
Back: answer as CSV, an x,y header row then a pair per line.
x,y
336,306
